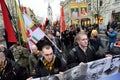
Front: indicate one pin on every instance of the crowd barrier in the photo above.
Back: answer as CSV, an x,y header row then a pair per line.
x,y
103,69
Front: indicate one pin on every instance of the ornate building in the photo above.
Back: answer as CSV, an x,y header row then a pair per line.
x,y
115,11
95,11
76,12
49,13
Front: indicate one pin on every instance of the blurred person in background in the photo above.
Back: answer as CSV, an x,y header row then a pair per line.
x,y
112,38
95,40
33,58
7,52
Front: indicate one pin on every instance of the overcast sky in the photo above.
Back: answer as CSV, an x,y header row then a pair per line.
x,y
40,7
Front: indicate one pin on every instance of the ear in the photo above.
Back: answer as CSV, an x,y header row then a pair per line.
x,y
78,41
42,53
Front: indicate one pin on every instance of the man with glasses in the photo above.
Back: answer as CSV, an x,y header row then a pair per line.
x,y
48,64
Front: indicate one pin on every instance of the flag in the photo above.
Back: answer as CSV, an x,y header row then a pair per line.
x,y
7,23
34,33
47,24
62,21
21,25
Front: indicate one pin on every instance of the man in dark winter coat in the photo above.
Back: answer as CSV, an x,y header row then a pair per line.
x,y
56,41
48,64
82,53
7,52
9,70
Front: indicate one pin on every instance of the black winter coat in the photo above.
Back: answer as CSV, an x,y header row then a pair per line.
x,y
9,54
57,42
77,55
41,71
13,71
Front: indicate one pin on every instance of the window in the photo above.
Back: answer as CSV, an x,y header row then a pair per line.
x,y
117,0
101,2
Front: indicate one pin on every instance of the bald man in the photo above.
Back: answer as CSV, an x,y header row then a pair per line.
x,y
33,58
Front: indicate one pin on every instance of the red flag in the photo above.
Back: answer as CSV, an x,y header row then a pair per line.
x,y
7,23
62,21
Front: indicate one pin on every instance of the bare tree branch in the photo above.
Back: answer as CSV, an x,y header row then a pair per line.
x,y
105,5
97,9
94,6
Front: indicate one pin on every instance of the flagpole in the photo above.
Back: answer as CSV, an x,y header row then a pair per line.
x,y
19,4
52,43
28,22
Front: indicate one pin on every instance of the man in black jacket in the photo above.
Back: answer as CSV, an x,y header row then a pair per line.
x,y
56,42
48,64
9,70
82,53
7,52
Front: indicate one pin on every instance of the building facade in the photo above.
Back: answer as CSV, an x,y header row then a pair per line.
x,y
115,11
76,12
97,11
50,13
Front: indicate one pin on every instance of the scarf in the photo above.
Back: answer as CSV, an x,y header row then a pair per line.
x,y
48,65
2,67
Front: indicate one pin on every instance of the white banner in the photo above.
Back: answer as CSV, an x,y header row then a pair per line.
x,y
95,70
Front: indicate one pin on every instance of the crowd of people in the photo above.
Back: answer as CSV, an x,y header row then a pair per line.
x,y
54,54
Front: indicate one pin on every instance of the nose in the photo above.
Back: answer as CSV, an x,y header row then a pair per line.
x,y
49,56
86,40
